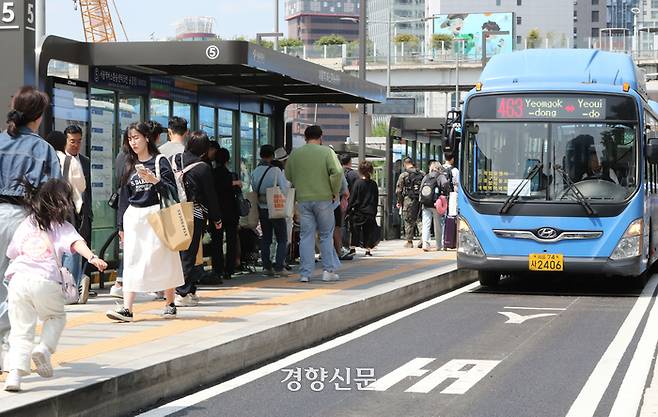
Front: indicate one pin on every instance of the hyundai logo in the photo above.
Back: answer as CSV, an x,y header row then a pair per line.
x,y
547,233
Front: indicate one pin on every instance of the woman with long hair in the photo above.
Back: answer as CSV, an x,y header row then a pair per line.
x,y
35,282
23,155
148,265
362,210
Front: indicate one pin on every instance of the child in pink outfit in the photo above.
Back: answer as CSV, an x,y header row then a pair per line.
x,y
35,289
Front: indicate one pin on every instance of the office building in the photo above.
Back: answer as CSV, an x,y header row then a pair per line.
x,y
589,17
309,21
407,16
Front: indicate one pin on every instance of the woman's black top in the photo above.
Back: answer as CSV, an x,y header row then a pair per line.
x,y
140,193
364,198
226,193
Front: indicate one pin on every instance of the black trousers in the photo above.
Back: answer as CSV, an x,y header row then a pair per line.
x,y
224,264
191,272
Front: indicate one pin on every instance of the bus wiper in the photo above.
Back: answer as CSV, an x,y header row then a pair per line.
x,y
571,186
517,191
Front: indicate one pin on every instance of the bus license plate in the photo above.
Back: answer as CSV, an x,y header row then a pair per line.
x,y
545,262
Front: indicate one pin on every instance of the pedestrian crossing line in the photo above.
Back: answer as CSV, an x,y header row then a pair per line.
x,y
185,324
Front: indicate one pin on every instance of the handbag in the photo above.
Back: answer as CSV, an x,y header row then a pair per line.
x,y
244,205
250,221
69,287
113,201
276,201
174,222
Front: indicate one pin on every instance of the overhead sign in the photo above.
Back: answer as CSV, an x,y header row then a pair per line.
x,y
551,108
395,105
115,79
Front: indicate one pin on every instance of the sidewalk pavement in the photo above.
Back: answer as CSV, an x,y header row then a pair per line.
x,y
104,368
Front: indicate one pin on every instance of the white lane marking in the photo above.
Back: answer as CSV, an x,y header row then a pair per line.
x,y
590,395
411,368
513,318
630,393
466,379
535,308
216,390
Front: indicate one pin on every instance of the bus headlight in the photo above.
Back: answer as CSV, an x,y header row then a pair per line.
x,y
630,243
467,243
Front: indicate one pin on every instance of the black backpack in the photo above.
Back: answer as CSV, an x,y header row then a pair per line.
x,y
412,184
429,191
445,181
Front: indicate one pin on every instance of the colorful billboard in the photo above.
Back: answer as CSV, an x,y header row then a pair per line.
x,y
471,27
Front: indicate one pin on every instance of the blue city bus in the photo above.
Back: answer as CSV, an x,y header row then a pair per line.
x,y
557,158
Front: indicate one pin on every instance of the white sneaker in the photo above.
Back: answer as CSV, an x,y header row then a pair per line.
x,y
186,301
84,289
116,292
41,358
194,298
13,382
303,279
330,276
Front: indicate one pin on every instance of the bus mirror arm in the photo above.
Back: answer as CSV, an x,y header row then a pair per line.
x,y
651,150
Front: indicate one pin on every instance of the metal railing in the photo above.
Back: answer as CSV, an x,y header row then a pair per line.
x,y
644,46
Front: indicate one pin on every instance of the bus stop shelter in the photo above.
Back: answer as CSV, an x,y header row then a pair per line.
x,y
418,138
236,91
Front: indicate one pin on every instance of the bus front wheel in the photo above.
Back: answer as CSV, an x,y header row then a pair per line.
x,y
489,278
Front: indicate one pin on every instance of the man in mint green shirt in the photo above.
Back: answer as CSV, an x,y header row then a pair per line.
x,y
316,175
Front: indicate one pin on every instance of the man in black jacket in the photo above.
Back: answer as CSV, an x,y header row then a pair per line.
x,y
73,146
199,189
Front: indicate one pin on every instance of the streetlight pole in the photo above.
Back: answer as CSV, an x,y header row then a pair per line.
x,y
276,24
362,75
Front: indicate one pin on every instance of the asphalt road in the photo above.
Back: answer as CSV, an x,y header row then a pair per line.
x,y
547,346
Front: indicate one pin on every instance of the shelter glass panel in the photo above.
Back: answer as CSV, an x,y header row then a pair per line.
x,y
247,154
207,121
225,129
262,130
183,110
160,114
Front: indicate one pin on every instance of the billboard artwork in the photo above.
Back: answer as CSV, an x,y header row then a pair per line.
x,y
471,27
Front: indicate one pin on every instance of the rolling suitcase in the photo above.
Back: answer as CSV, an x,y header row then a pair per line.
x,y
450,233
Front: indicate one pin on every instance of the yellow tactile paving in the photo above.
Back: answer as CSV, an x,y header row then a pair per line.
x,y
99,317
183,324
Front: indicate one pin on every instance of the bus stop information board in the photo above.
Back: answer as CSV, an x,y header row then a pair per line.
x,y
565,107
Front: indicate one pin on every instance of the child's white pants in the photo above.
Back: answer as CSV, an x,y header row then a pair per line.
x,y
32,297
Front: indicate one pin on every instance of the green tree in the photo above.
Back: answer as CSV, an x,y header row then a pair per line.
x,y
331,40
380,129
290,43
533,38
264,43
442,39
406,38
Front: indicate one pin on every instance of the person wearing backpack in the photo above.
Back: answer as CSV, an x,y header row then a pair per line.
x,y
195,182
432,187
407,191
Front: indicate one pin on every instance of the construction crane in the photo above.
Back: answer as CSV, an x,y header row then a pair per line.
x,y
97,20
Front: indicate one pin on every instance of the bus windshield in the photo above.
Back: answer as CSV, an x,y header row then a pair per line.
x,y
550,160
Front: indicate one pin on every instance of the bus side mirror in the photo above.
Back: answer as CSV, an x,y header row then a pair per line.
x,y
651,150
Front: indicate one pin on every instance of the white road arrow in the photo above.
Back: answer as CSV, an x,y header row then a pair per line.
x,y
514,318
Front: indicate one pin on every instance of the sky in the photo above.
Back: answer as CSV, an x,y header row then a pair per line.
x,y
142,18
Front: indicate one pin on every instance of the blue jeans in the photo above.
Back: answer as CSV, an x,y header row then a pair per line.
x,y
279,228
317,216
74,264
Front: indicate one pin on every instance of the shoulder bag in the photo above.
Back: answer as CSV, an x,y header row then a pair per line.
x,y
69,287
174,222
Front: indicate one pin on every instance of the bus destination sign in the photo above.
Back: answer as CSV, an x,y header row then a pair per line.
x,y
537,107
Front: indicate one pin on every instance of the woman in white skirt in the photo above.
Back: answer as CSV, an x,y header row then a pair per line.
x,y
148,265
